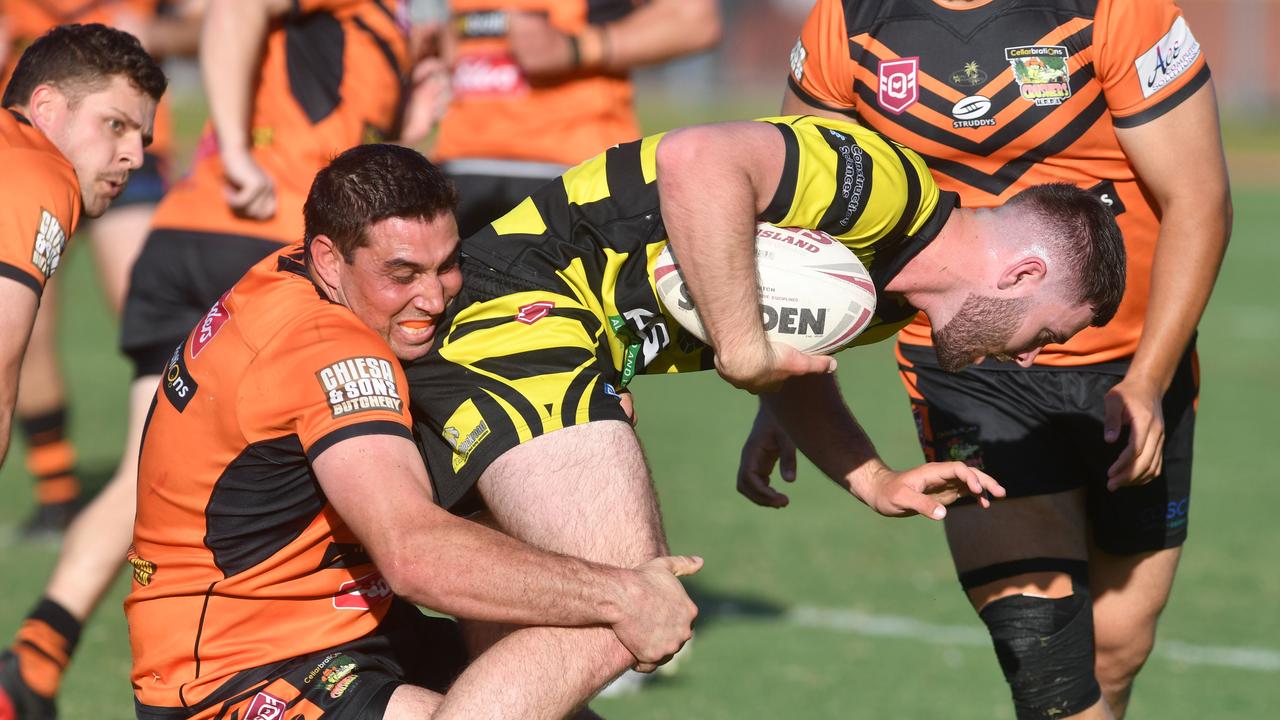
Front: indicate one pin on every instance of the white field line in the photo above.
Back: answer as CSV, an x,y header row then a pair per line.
x,y
856,622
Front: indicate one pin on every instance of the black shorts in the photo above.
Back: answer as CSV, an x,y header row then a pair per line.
x,y
485,198
147,184
1038,431
177,278
352,681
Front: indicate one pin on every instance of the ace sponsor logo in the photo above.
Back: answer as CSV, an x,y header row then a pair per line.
x,y
1041,73
360,384
49,243
1169,58
899,87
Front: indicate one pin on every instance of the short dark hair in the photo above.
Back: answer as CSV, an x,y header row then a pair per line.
x,y
370,183
1086,235
79,59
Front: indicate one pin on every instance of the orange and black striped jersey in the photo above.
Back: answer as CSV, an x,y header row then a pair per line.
x,y
330,77
1004,95
41,203
27,20
498,113
239,560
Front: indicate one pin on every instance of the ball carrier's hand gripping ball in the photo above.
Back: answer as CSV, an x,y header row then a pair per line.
x,y
815,295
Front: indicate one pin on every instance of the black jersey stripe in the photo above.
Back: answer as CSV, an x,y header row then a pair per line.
x,y
912,206
573,395
1167,104
786,192
814,102
487,387
853,185
532,363
1008,174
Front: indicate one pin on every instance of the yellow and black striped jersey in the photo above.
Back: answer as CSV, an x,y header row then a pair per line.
x,y
596,232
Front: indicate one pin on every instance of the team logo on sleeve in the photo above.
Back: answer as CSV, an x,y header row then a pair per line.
x,y
1173,55
179,387
1041,72
798,56
50,241
210,325
360,384
899,88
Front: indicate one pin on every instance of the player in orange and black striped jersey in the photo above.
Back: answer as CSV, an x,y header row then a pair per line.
x,y
290,84
1094,443
77,114
542,85
116,238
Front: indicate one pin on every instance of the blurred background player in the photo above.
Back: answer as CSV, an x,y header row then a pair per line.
x,y
165,30
542,85
79,110
1093,443
289,85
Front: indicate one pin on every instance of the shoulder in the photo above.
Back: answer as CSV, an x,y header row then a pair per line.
x,y
35,172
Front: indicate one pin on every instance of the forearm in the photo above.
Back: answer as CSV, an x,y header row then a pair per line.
x,y
815,417
709,204
174,36
231,41
6,421
1189,251
467,570
658,31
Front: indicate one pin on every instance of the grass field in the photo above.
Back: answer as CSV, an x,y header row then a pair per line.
x,y
822,609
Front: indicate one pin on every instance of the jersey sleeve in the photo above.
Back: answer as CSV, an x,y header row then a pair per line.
x,y
37,217
821,69
1148,59
330,379
851,183
302,7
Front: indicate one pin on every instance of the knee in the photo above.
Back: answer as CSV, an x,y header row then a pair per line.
x,y
1046,651
1121,653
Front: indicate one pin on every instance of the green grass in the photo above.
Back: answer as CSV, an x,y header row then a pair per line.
x,y
749,660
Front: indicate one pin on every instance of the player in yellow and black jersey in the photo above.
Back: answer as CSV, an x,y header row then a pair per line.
x,y
559,311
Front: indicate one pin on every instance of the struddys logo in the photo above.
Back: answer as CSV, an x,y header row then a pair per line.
x,y
360,384
1169,58
210,325
899,84
362,593
1041,72
49,243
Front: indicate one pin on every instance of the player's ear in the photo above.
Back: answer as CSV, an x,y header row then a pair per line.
x,y
326,258
47,106
1023,274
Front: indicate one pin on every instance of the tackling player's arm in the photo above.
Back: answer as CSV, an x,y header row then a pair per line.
x,y
713,182
444,562
19,303
1194,228
654,32
231,44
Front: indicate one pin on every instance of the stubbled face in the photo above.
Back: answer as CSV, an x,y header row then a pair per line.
x,y
401,282
1008,329
103,135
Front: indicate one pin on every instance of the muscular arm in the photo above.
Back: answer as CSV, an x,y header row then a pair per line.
x,y
378,484
713,181
1194,228
660,30
19,304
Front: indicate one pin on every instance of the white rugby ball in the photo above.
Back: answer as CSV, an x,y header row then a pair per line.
x,y
815,295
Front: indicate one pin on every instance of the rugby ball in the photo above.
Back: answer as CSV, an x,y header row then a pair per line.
x,y
815,295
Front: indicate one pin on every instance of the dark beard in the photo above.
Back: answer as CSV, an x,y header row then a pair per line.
x,y
982,327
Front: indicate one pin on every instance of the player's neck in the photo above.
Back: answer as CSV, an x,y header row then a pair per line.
x,y
943,273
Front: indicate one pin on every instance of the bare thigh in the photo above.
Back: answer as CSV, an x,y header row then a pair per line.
x,y
410,702
1051,526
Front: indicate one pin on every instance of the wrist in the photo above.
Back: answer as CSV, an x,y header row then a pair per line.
x,y
618,587
863,481
590,49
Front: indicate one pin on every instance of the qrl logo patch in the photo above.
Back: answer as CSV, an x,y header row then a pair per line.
x,y
362,593
1169,58
265,706
899,88
210,325
360,384
50,241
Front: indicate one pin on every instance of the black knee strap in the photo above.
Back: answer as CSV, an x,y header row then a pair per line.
x,y
1045,648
